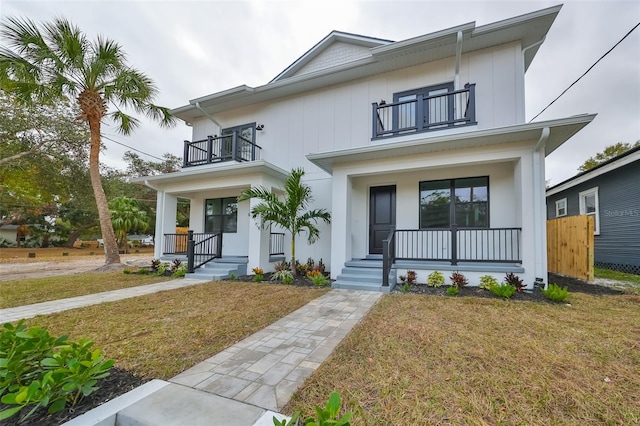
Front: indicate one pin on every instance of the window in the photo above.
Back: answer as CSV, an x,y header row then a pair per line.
x,y
561,207
435,110
221,215
589,206
467,208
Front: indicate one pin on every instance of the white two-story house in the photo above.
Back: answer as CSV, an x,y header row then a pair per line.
x,y
419,149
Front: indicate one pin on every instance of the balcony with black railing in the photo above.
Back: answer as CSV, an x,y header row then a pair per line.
x,y
217,149
424,113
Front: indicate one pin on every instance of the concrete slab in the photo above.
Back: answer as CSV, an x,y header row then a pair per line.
x,y
177,405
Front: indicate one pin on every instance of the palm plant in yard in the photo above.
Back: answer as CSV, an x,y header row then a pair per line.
x,y
57,61
290,211
127,215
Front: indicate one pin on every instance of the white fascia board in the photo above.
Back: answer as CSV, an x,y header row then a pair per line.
x,y
516,20
424,142
198,172
570,183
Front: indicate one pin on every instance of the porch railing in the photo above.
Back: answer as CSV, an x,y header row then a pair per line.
x,y
276,244
216,149
202,248
175,244
500,245
437,112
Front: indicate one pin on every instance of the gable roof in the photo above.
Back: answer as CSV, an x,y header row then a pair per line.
x,y
610,165
372,56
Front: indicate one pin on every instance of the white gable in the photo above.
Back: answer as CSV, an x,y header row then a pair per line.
x,y
336,54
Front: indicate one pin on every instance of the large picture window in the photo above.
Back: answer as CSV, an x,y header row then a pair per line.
x,y
463,202
221,215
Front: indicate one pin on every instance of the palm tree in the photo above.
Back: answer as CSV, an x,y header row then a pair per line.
x,y
127,215
57,62
289,212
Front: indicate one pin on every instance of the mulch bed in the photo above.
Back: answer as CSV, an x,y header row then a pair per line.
x,y
298,281
574,285
122,381
116,384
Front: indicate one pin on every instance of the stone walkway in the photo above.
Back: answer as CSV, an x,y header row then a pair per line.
x,y
267,367
44,308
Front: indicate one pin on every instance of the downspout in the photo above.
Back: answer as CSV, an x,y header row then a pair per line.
x,y
197,104
539,216
159,234
456,78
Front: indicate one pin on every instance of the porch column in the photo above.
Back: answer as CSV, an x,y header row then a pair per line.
x,y
166,211
258,254
340,221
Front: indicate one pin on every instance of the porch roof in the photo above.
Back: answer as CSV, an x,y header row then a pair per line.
x,y
214,171
560,131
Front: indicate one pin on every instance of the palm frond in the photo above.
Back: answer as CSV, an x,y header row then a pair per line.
x,y
161,115
125,123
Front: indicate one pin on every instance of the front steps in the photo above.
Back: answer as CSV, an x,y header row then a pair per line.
x,y
221,268
364,274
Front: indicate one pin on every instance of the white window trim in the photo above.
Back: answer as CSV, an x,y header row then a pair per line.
x,y
558,207
583,207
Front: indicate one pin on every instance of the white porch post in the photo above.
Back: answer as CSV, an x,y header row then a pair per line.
x,y
539,208
258,254
166,212
340,221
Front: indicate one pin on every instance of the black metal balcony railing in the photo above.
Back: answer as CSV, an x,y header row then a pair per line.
x,y
216,149
500,245
423,114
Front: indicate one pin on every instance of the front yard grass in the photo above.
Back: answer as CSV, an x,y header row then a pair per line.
x,y
160,335
444,360
35,290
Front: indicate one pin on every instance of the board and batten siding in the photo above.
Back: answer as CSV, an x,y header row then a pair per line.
x,y
619,213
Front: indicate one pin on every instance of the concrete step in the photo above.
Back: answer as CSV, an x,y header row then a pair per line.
x,y
364,274
221,269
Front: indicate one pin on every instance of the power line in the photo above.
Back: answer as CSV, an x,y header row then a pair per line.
x,y
585,73
132,148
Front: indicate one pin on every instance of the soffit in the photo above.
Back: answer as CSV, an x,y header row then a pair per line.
x,y
560,131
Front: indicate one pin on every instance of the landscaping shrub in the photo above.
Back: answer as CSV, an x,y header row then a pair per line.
x,y
327,416
556,293
453,290
39,370
503,290
258,274
435,279
317,278
283,275
486,281
458,280
515,281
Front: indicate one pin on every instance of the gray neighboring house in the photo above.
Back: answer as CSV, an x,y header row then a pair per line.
x,y
611,193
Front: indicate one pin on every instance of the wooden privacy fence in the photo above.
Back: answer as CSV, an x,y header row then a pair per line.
x,y
570,246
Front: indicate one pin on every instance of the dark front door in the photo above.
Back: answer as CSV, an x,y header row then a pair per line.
x,y
382,215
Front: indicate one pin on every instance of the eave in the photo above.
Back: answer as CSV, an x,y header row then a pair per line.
x,y
560,131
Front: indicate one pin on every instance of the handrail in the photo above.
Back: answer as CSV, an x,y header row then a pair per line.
x,y
215,149
425,113
208,247
388,256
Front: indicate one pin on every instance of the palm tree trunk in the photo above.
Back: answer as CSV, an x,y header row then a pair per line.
x,y
294,270
111,255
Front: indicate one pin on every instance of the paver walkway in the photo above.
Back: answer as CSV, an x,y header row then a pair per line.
x,y
267,367
29,311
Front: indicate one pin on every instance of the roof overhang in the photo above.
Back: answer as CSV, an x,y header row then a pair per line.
x,y
529,29
560,131
622,160
217,171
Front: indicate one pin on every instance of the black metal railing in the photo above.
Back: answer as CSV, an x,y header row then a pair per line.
x,y
423,114
216,149
202,248
276,244
500,245
174,244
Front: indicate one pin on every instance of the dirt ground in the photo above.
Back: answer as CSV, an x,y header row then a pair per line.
x,y
21,268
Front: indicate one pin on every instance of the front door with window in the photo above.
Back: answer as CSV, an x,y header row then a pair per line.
x,y
382,215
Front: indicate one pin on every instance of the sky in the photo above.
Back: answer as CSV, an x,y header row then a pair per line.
x,y
195,48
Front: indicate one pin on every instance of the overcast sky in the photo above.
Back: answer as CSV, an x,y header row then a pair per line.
x,y
195,48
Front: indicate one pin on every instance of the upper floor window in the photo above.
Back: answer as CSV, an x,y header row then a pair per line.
x,y
221,215
589,205
561,207
463,202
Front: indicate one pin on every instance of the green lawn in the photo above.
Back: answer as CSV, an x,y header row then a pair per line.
x,y
418,360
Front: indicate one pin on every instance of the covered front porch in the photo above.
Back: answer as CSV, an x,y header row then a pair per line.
x,y
221,230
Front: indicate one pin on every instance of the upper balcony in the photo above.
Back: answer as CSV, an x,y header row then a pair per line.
x,y
233,146
424,110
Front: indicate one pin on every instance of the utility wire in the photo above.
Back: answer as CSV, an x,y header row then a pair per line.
x,y
585,73
132,148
